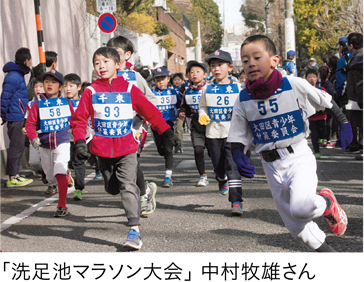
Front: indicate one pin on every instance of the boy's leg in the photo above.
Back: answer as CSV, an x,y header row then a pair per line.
x,y
79,167
158,140
294,193
16,147
314,136
46,158
234,182
179,130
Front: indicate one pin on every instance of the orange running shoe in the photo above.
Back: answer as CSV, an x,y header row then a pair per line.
x,y
335,215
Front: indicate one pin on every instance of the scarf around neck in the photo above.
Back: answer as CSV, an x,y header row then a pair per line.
x,y
263,90
198,86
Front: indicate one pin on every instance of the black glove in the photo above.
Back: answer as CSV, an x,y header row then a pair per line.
x,y
81,150
3,120
172,138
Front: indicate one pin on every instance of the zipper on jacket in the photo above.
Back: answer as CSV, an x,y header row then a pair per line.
x,y
113,141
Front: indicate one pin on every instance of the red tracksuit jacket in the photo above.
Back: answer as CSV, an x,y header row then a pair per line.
x,y
120,146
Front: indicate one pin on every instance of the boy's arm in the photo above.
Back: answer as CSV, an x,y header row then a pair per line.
x,y
79,120
203,106
147,110
30,124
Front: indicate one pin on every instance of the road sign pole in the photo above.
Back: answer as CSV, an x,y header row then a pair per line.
x,y
42,58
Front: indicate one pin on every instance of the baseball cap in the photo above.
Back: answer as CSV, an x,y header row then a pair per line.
x,y
313,59
191,64
57,75
342,41
220,54
161,71
291,53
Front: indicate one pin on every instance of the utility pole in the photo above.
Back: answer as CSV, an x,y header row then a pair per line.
x,y
289,27
42,58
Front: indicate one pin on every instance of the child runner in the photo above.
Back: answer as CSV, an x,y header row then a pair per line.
x,y
216,105
196,73
125,48
72,89
167,104
317,122
110,101
178,84
51,115
272,112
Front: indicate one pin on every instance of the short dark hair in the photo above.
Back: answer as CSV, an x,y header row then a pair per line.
x,y
332,62
37,79
107,52
178,74
73,78
121,42
311,70
51,57
266,41
356,39
21,55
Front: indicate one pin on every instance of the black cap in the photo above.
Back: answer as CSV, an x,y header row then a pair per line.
x,y
191,64
161,71
222,55
57,75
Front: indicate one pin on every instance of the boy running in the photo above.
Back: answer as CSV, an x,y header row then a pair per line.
x,y
273,112
110,101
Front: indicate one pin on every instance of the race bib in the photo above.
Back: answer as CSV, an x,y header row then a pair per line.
x,y
193,99
54,114
220,101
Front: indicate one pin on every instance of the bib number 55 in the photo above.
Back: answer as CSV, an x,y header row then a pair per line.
x,y
273,106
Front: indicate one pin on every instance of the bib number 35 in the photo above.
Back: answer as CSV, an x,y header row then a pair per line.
x,y
273,106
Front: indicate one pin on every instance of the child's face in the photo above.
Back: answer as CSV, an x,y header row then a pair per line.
x,y
242,77
71,89
162,82
124,56
196,75
220,69
312,79
51,86
38,88
257,62
106,68
177,81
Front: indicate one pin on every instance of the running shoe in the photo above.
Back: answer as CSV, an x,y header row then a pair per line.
x,y
70,179
77,195
330,145
335,215
61,211
317,155
237,208
98,175
167,182
223,187
18,182
52,189
203,182
134,240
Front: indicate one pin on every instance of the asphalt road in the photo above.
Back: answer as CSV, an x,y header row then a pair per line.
x,y
187,218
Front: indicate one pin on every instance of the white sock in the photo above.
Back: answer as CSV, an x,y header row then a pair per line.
x,y
169,173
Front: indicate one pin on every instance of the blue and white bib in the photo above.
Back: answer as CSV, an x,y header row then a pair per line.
x,y
166,103
276,118
220,99
129,76
54,114
192,99
113,113
75,103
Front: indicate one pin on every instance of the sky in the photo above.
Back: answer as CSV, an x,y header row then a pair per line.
x,y
232,11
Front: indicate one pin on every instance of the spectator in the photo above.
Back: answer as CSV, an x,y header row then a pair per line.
x,y
345,56
289,65
14,99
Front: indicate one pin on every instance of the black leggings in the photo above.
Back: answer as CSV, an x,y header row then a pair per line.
x,y
317,128
200,159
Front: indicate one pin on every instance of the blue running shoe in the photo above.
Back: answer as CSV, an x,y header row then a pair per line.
x,y
134,240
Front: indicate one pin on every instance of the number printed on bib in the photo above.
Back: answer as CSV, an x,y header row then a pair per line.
x,y
220,101
113,114
193,99
54,114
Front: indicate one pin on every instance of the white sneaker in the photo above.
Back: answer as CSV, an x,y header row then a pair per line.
x,y
203,182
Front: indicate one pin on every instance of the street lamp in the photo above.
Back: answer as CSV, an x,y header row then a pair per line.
x,y
261,22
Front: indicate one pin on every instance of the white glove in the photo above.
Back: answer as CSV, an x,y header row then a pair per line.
x,y
36,143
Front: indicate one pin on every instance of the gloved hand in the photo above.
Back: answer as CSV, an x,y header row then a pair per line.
x,y
172,138
36,143
81,150
242,163
204,120
346,135
3,121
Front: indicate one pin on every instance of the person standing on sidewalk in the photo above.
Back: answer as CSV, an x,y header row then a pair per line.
x,y
14,99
